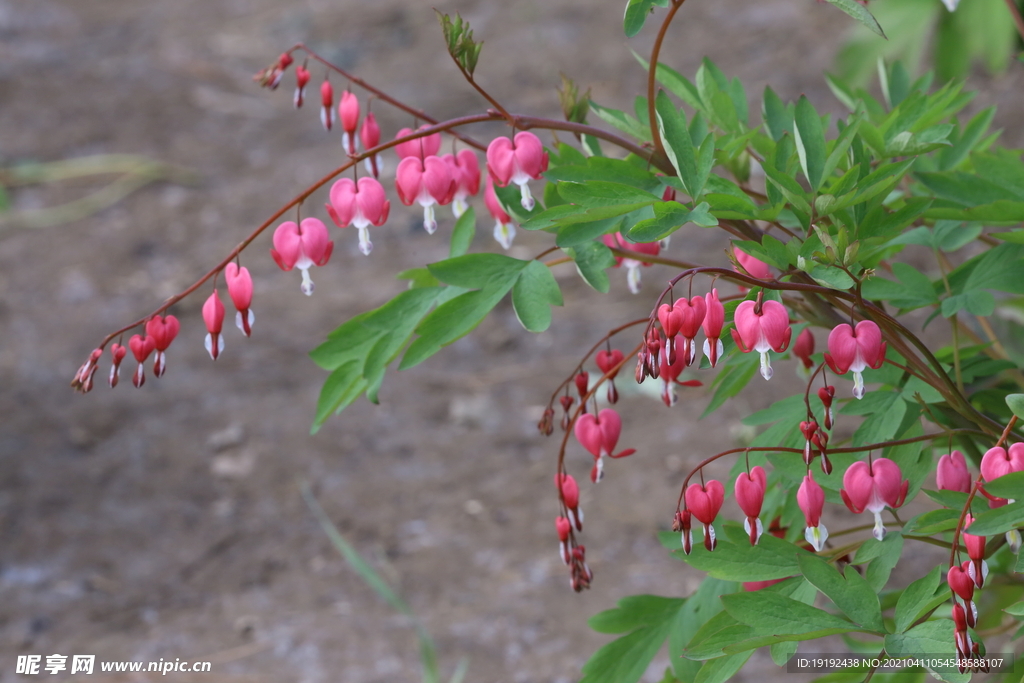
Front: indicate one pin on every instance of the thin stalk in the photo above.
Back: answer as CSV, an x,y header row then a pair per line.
x,y
652,70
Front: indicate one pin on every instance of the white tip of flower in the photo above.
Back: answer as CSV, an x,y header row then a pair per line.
x,y
459,206
347,142
563,552
240,324
300,94
663,242
858,385
526,197
719,351
504,233
759,528
429,223
766,366
709,532
951,4
633,278
1013,540
687,540
115,373
879,531
365,245
208,344
307,283
816,536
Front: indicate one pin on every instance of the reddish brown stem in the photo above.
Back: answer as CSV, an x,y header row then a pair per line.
x,y
652,71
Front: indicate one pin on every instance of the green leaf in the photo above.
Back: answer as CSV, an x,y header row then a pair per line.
x,y
1000,520
611,170
771,558
669,217
532,296
732,379
636,14
776,614
1015,402
932,638
782,652
621,120
887,554
789,188
932,522
810,142
952,499
830,276
723,668
852,595
476,271
604,193
1016,609
419,278
914,289
592,259
882,425
462,234
648,618
914,598
635,611
456,318
341,388
778,118
860,13
678,144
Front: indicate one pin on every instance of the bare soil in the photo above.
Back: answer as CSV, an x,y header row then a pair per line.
x,y
166,522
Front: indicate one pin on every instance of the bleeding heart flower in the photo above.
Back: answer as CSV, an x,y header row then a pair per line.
x,y
997,462
714,320
705,502
421,148
617,241
804,347
348,111
118,353
570,492
960,583
750,488
301,79
811,499
517,160
855,349
240,290
872,486
302,246
682,523
599,434
327,105
213,316
427,182
952,474
671,319
563,527
162,330
761,330
754,267
369,134
504,228
826,395
466,171
978,569
608,362
360,204
141,347
808,429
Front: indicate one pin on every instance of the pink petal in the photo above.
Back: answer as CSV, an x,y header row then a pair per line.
x,y
714,317
611,428
316,241
372,201
529,154
501,160
287,244
842,348
343,198
775,324
588,433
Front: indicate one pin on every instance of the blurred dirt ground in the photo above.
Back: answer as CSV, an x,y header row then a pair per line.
x,y
166,522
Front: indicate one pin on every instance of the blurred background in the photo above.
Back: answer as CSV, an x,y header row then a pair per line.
x,y
167,522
